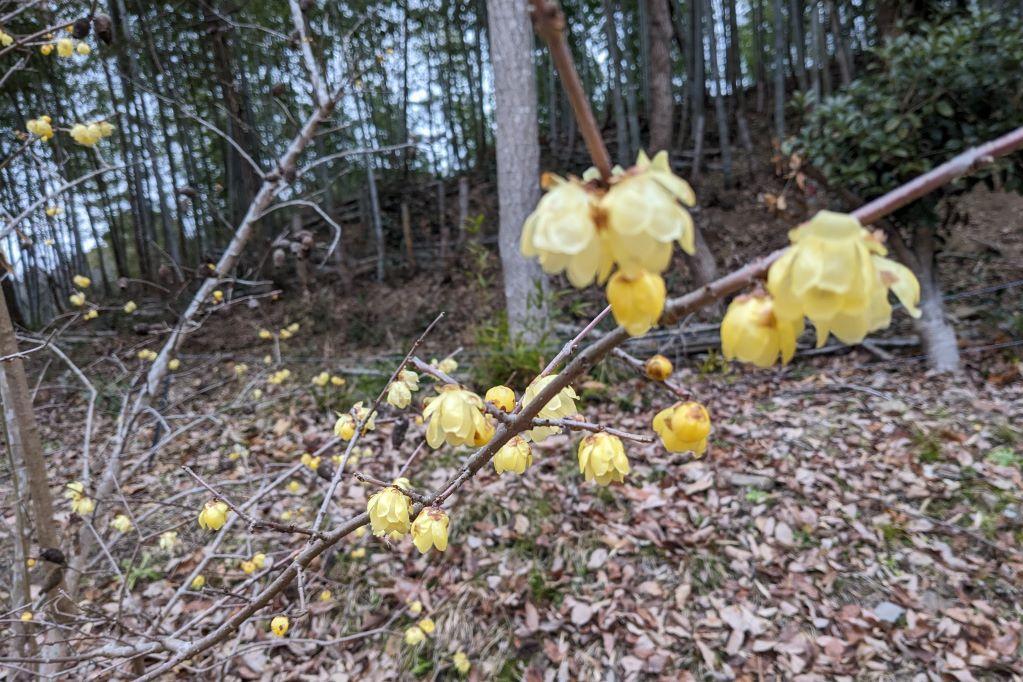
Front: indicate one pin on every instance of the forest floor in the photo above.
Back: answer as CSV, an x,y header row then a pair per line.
x,y
854,517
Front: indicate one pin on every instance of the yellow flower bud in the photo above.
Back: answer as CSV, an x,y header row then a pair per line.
x,y
602,459
658,367
43,129
344,427
218,296
198,582
257,393
409,378
358,553
501,397
454,417
26,616
174,364
168,540
415,607
514,456
752,332
414,635
248,567
294,487
461,662
430,529
30,562
77,299
360,531
448,366
81,504
337,381
65,47
293,327
259,559
52,211
835,274
265,334
559,407
637,300
683,426
91,314
213,515
427,625
279,625
85,135
284,334
83,49
46,49
389,511
121,523
130,307
399,395
325,596
321,379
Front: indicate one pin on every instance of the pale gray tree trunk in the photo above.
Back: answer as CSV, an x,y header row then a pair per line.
x,y
518,163
936,333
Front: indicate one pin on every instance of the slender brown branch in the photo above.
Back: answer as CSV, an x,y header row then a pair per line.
x,y
549,24
576,425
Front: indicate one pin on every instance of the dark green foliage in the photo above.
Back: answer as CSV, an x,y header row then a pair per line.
x,y
927,95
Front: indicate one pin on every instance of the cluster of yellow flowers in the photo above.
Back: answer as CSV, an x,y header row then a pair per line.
x,y
559,407
121,523
88,134
279,377
65,47
289,331
250,566
81,503
41,127
213,515
54,211
168,540
77,299
586,228
417,633
834,274
310,461
91,314
399,393
390,512
147,354
6,39
130,307
344,427
602,459
448,365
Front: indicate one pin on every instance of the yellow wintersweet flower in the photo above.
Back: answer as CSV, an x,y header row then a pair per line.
x,y
6,39
248,568
257,393
389,511
81,503
77,299
294,486
358,553
240,368
645,215
213,515
259,560
265,334
46,49
91,314
427,625
455,416
752,332
30,562
637,300
174,364
321,379
683,426
602,459
279,377
447,365
168,540
268,359
130,307
52,211
430,529
361,414
399,395
26,616
461,662
65,47
360,531
559,407
284,334
562,232
121,523
83,49
198,582
514,456
86,135
835,274
344,427
279,625
42,128
414,635
658,367
147,354
501,397
415,607
484,431
325,596
310,461
218,296
337,381
409,378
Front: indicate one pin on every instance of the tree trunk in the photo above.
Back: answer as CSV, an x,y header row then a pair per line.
x,y
660,76
842,53
758,50
799,41
779,72
724,140
518,163
936,334
615,57
698,84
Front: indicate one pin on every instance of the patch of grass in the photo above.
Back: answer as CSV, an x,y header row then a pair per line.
x,y
541,591
756,496
709,572
893,534
1004,456
927,445
506,360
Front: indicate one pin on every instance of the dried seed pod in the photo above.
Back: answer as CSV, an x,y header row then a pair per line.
x,y
104,28
81,28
